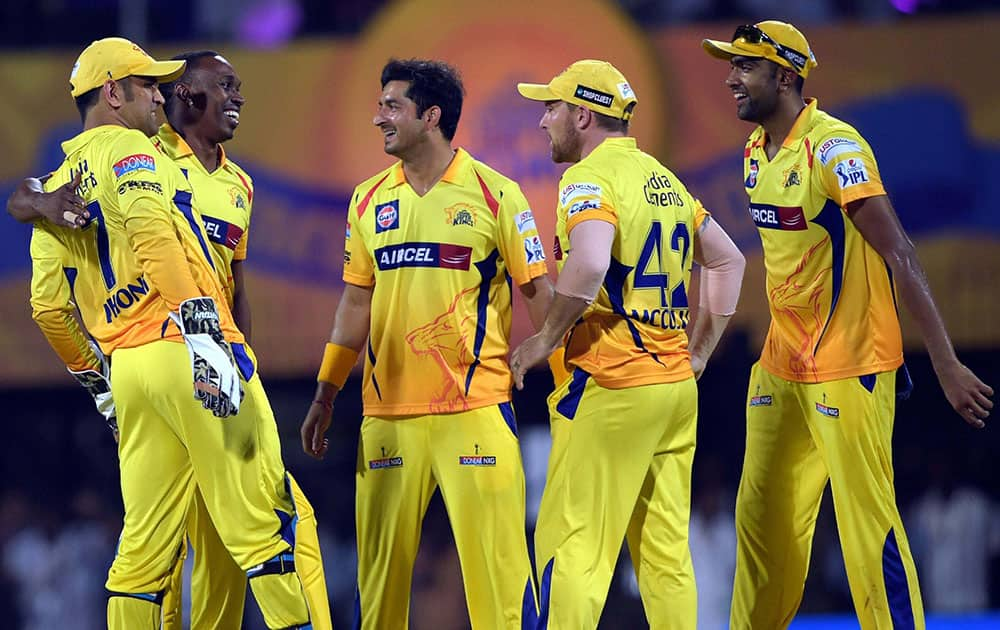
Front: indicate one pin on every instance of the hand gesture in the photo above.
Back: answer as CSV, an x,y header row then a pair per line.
x,y
969,396
531,352
63,206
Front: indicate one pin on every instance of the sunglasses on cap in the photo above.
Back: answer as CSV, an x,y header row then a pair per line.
x,y
753,35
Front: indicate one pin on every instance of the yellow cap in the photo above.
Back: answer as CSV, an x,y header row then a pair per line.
x,y
779,42
116,58
597,85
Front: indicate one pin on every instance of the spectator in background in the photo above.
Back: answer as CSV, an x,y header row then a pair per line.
x,y
956,531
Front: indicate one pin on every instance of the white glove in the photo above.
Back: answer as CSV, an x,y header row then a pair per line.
x,y
216,378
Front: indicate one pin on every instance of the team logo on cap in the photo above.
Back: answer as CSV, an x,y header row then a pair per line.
x,y
625,90
596,97
387,216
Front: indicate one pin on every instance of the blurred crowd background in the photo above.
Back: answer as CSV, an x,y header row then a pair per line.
x,y
912,75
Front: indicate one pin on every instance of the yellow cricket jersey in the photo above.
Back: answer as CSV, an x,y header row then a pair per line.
x,y
441,266
634,332
52,304
223,197
143,251
832,302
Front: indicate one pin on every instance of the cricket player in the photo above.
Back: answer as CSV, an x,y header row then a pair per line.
x,y
434,244
624,425
145,280
822,396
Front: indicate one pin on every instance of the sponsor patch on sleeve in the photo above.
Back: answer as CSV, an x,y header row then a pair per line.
x,y
136,162
534,252
579,189
580,206
851,172
525,221
836,146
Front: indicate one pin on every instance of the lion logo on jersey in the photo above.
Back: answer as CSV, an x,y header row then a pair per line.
x,y
446,340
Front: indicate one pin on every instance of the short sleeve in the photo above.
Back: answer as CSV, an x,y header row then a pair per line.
x,y
583,196
240,253
847,168
700,214
358,266
518,238
139,171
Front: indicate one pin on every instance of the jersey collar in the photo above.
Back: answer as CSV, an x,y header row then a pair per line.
x,y
803,123
177,147
84,137
454,174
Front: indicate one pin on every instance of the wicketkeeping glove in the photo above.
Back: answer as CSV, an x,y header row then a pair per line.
x,y
216,379
99,387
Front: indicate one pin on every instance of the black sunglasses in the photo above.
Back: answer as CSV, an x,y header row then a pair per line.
x,y
753,35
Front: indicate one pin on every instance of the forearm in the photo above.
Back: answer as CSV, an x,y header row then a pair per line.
x,y
347,340
64,334
538,297
563,313
161,256
241,314
706,330
915,293
22,204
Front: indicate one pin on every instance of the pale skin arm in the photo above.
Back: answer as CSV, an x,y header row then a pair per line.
x,y
241,305
578,284
350,329
29,202
713,249
876,219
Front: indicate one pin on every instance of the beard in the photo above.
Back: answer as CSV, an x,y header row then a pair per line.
x,y
566,148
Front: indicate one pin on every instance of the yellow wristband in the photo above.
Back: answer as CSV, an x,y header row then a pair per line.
x,y
557,365
337,364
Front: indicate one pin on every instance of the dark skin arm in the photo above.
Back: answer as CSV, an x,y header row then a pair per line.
x,y
241,305
876,219
29,203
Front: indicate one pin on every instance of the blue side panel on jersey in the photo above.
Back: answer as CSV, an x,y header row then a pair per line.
x,y
357,609
544,592
896,588
182,199
614,283
70,277
371,359
569,403
529,613
487,270
831,219
289,523
243,361
868,382
904,383
507,411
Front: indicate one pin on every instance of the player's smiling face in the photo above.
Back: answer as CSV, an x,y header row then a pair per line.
x,y
215,91
754,84
558,122
396,117
140,99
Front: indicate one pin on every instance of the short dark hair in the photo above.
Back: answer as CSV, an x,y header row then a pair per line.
x,y
86,101
192,60
605,122
431,83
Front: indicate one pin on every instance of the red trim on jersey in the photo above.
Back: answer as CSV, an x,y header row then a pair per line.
x,y
246,184
368,197
746,152
809,152
490,199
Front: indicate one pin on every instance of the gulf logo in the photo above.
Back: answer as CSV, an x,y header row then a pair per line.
x,y
387,216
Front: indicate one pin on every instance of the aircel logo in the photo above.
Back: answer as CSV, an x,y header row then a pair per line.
x,y
777,217
441,255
